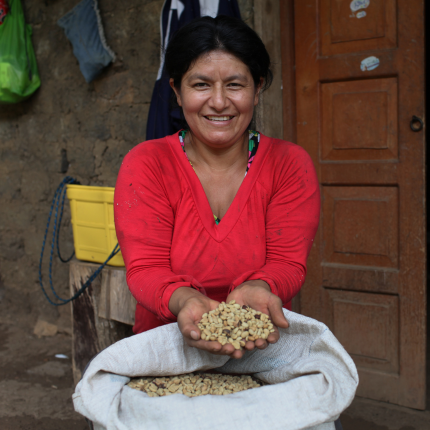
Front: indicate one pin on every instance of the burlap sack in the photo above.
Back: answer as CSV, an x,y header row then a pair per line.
x,y
313,378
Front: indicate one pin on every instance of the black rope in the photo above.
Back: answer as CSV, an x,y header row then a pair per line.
x,y
58,232
58,202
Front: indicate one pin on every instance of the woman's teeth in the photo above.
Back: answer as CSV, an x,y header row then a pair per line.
x,y
219,118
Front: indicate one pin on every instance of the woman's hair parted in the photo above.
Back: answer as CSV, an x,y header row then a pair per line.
x,y
224,33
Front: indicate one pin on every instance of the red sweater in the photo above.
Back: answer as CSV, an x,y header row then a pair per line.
x,y
169,239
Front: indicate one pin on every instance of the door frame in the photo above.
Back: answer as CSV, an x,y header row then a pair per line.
x,y
287,36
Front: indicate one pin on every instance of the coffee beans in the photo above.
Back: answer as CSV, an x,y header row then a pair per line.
x,y
193,385
235,324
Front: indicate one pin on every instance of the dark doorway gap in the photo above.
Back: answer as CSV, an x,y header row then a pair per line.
x,y
427,152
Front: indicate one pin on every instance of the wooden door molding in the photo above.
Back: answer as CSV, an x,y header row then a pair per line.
x,y
359,81
288,70
269,110
286,9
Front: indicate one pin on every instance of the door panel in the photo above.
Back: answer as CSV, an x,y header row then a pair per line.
x,y
359,120
360,226
354,26
361,314
359,81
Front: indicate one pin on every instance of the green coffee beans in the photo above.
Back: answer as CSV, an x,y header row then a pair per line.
x,y
235,324
193,385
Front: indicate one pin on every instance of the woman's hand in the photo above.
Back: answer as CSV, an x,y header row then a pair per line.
x,y
189,305
257,295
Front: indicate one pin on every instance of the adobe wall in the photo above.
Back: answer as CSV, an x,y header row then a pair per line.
x,y
86,128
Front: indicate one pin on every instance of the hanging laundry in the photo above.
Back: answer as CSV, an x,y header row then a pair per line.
x,y
162,119
4,9
84,29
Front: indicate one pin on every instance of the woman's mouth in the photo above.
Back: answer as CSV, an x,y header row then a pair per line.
x,y
219,118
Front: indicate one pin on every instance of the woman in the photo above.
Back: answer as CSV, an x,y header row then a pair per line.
x,y
215,212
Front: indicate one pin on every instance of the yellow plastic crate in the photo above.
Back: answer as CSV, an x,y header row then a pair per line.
x,y
93,223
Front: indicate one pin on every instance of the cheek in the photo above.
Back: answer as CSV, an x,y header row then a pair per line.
x,y
192,105
248,103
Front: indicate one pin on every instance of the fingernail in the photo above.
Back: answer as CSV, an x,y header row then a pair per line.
x,y
195,335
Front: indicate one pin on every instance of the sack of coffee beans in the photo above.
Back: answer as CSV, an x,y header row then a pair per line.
x,y
306,380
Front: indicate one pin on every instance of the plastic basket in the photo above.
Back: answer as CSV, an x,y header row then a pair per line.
x,y
93,223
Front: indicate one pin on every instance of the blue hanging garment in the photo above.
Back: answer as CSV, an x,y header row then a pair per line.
x,y
83,27
162,119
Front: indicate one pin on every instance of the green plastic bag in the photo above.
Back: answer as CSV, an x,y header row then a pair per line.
x,y
19,77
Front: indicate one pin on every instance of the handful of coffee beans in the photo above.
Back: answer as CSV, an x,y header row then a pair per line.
x,y
235,324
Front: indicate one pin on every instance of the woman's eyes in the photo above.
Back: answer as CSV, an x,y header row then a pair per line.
x,y
234,85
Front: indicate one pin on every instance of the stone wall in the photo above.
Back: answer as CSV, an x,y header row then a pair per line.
x,y
69,124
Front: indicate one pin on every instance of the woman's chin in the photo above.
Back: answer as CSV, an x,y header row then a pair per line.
x,y
218,133
222,138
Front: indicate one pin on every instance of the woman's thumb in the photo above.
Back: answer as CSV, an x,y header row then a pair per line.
x,y
188,328
194,335
277,316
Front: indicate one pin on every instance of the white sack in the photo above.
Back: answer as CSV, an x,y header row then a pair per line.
x,y
314,381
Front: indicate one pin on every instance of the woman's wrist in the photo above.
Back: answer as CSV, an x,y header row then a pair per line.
x,y
255,283
180,296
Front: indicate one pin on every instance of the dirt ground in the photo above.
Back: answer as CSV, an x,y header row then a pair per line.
x,y
36,387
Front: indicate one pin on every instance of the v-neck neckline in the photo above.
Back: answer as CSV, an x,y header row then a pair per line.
x,y
219,232
253,137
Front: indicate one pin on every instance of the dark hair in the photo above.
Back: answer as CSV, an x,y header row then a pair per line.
x,y
224,33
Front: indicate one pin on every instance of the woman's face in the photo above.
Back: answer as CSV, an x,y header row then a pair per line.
x,y
218,96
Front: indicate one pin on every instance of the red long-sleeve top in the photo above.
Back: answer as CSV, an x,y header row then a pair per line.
x,y
168,237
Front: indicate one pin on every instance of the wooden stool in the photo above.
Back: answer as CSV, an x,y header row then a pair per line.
x,y
101,315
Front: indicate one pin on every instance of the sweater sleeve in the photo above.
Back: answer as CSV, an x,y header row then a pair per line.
x,y
292,219
144,220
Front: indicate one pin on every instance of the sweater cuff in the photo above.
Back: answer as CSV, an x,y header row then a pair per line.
x,y
254,276
164,313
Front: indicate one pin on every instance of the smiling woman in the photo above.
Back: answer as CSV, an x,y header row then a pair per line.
x,y
217,95
215,212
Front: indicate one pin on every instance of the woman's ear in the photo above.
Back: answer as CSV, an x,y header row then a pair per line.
x,y
177,93
257,91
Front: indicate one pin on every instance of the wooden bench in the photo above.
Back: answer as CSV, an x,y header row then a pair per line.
x,y
102,315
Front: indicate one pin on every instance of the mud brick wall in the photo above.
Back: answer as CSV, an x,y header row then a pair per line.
x,y
70,125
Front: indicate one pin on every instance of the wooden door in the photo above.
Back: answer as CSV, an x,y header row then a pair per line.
x,y
359,83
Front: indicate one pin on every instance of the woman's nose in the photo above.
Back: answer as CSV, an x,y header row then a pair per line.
x,y
218,100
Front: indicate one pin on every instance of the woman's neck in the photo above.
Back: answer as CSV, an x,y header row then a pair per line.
x,y
217,159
